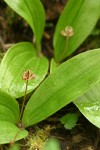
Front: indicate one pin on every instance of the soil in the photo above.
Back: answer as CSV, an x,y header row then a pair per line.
x,y
13,29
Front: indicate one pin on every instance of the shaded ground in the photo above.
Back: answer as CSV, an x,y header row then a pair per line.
x,y
14,29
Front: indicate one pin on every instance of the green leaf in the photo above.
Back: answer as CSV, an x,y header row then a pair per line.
x,y
69,120
53,65
9,108
10,133
69,81
52,144
18,59
32,11
15,146
82,16
89,105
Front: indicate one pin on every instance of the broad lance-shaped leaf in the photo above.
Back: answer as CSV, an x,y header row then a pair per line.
x,y
10,133
89,105
9,108
69,81
82,15
18,59
9,116
33,12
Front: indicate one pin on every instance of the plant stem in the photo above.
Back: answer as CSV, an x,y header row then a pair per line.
x,y
24,99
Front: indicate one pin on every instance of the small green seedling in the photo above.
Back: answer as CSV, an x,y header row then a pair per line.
x,y
69,120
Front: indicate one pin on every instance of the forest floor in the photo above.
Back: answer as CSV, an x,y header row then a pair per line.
x,y
13,29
